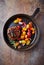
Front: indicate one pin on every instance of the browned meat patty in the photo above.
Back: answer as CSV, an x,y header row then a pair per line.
x,y
13,33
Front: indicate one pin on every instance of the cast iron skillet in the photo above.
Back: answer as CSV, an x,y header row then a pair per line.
x,y
26,18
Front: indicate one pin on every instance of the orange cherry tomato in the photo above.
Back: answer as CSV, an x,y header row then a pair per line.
x,y
30,24
25,36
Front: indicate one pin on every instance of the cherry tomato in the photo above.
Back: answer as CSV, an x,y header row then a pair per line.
x,y
29,30
19,19
22,37
16,21
30,24
18,27
26,39
24,28
24,24
16,44
24,33
27,26
23,42
28,34
28,42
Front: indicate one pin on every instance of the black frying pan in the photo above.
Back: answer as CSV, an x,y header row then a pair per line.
x,y
26,18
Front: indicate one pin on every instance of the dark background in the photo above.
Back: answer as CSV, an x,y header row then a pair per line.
x,y
8,56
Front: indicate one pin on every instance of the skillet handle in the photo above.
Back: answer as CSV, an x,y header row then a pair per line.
x,y
36,12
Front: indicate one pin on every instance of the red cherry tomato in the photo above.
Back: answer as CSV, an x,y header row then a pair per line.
x,y
29,34
18,27
29,30
24,24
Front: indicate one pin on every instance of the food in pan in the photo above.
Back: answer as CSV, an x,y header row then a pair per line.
x,y
13,33
21,35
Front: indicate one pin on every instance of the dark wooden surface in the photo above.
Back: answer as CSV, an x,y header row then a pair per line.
x,y
8,56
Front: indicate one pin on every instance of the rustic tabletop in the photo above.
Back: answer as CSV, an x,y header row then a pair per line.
x,y
8,56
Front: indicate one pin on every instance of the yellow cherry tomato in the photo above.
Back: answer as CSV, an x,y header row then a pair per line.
x,y
27,26
16,21
24,28
28,42
16,44
23,41
24,33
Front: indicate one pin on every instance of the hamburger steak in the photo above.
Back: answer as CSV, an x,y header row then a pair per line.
x,y
13,33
